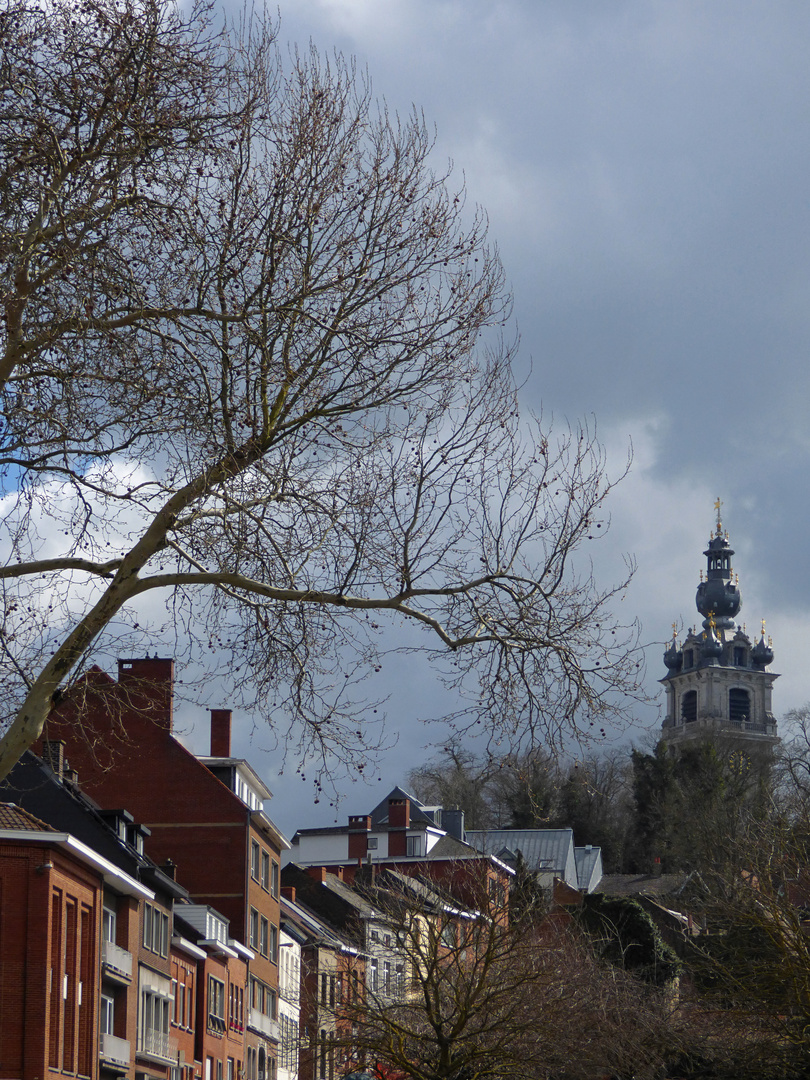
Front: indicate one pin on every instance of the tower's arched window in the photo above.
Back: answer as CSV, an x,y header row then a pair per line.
x,y
739,705
689,706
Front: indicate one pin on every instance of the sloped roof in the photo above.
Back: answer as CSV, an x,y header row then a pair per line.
x,y
13,817
543,849
589,867
642,884
379,815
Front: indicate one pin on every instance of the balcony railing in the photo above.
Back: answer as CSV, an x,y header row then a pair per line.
x,y
115,1050
263,1024
158,1044
116,960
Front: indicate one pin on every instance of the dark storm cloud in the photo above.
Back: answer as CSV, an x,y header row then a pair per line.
x,y
645,169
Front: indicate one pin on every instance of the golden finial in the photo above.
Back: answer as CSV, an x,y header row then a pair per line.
x,y
736,579
717,506
770,642
763,628
701,575
711,620
674,629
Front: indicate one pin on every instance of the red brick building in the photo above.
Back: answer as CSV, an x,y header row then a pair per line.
x,y
54,889
204,814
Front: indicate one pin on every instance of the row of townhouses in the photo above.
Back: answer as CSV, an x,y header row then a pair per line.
x,y
155,924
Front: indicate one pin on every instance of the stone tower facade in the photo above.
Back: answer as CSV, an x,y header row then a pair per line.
x,y
717,682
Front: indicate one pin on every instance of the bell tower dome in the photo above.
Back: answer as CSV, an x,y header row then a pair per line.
x,y
716,681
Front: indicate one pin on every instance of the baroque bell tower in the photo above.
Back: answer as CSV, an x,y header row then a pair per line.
x,y
717,682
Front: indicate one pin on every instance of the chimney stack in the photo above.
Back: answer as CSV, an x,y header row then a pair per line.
x,y
359,828
53,754
399,820
221,733
150,686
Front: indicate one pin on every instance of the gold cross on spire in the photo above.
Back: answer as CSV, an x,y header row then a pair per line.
x,y
717,506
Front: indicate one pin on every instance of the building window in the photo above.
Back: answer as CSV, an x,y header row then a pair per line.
x,y
255,860
739,706
274,944
689,707
387,977
155,930
154,1026
372,843
254,928
322,1056
108,925
236,1000
449,935
263,936
688,658
265,871
107,1019
216,1004
274,879
373,979
739,656
497,893
413,846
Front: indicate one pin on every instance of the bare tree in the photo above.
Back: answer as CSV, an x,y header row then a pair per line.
x,y
251,364
484,997
753,969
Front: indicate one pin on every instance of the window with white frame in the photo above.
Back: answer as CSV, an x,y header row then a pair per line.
x,y
108,924
216,1004
107,1016
155,930
153,1030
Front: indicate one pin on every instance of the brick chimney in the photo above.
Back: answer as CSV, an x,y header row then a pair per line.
x,y
288,892
399,813
221,733
151,678
399,819
359,828
53,754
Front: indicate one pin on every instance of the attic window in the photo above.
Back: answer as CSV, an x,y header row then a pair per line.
x,y
372,843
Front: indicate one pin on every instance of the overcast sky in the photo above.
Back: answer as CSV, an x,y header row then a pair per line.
x,y
645,171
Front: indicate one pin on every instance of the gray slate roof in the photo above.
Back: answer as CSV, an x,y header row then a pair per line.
x,y
549,850
589,867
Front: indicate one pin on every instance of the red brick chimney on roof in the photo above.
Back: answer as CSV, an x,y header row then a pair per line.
x,y
221,733
399,820
399,813
359,828
149,682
